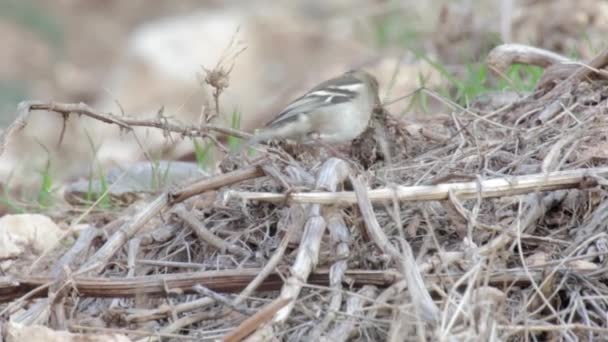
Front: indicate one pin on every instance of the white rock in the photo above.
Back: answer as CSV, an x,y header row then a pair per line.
x,y
26,234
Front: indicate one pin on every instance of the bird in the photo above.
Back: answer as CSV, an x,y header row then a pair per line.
x,y
335,111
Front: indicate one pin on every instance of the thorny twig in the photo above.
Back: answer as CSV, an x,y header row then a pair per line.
x,y
65,109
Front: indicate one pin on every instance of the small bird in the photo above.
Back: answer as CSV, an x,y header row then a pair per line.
x,y
335,111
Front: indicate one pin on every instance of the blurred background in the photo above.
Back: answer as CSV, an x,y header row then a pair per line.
x,y
140,57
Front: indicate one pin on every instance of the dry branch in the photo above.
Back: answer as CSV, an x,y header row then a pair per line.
x,y
490,188
123,122
100,259
406,262
215,182
272,263
206,236
250,324
340,240
503,56
333,172
354,306
236,280
157,285
600,61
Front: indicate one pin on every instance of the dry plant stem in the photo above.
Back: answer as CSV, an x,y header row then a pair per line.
x,y
23,113
77,252
406,261
181,323
68,232
402,326
550,111
157,285
168,311
528,328
537,207
18,300
100,259
583,71
354,306
503,56
206,236
150,336
37,313
222,299
552,159
387,294
455,106
340,239
538,296
132,251
332,173
272,171
134,245
488,188
252,323
270,265
61,269
500,243
306,261
454,312
595,224
177,264
371,223
126,122
216,182
28,287
460,217
564,86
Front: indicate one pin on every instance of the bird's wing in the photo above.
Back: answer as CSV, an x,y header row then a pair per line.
x,y
330,92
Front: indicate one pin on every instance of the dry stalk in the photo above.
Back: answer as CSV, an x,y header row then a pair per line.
x,y
156,285
535,208
272,262
488,188
77,252
164,311
184,322
207,236
65,109
261,317
563,87
25,288
333,172
243,310
354,306
407,263
215,182
340,240
99,260
23,114
503,56
596,223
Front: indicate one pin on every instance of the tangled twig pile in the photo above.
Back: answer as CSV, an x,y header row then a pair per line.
x,y
499,233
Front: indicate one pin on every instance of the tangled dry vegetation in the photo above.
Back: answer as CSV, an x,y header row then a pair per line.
x,y
485,224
